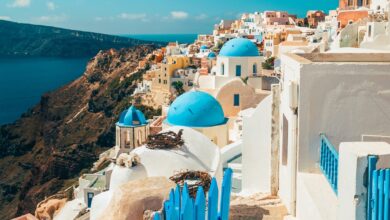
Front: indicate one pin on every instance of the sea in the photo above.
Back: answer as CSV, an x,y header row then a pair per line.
x,y
24,80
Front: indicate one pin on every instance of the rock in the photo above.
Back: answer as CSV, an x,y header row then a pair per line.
x,y
131,200
50,208
42,152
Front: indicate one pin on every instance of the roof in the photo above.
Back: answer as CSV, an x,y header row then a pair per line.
x,y
294,43
212,55
204,47
196,109
239,47
131,117
340,57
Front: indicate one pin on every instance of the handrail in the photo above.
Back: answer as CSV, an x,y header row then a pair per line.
x,y
329,161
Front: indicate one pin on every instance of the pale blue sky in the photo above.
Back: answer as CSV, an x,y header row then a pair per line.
x,y
145,16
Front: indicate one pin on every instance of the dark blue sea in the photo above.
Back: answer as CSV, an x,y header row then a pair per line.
x,y
181,38
23,81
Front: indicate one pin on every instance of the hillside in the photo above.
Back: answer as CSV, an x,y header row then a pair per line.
x,y
27,40
58,139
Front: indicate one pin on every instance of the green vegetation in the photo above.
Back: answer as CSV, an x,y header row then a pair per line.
x,y
178,86
268,64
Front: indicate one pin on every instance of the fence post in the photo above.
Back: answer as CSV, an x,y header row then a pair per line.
x,y
225,197
187,210
177,202
213,201
372,160
374,194
156,216
387,195
200,204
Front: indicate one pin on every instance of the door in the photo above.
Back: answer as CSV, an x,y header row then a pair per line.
x,y
89,198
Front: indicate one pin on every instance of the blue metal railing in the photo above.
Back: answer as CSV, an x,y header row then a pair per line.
x,y
329,162
378,202
180,206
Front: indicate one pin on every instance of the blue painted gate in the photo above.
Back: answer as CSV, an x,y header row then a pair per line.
x,y
180,206
378,202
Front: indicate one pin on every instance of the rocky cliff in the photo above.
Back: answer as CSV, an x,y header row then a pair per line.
x,y
27,40
58,139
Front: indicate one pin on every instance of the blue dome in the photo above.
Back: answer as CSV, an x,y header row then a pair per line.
x,y
196,109
239,47
204,47
131,117
212,55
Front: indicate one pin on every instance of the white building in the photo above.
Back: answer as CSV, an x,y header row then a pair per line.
x,y
342,96
143,87
251,24
234,79
198,153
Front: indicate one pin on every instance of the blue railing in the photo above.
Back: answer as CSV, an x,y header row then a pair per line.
x,y
329,162
180,206
378,202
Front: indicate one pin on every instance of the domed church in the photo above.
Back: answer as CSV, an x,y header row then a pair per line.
x,y
202,112
132,130
234,79
238,57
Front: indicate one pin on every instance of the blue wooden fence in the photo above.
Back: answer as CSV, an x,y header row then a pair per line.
x,y
180,206
378,202
329,162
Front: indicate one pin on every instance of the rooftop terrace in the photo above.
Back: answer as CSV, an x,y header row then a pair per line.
x,y
341,57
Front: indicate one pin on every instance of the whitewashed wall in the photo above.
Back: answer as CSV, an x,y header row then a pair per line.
x,y
256,150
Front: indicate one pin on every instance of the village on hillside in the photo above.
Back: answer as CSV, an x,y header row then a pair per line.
x,y
288,117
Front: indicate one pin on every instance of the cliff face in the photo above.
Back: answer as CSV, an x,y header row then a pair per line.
x,y
58,139
27,40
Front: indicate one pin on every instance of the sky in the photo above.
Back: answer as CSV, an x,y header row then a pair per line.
x,y
146,16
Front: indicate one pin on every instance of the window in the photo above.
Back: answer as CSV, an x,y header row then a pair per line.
x,y
238,70
222,69
254,69
127,139
236,100
369,30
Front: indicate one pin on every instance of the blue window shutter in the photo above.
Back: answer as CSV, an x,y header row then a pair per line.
x,y
238,70
236,100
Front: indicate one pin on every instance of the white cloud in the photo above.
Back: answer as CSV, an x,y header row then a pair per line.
x,y
6,18
20,3
128,16
201,17
51,6
179,15
51,19
99,19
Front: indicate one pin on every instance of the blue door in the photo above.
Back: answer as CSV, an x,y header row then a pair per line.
x,y
238,70
90,197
